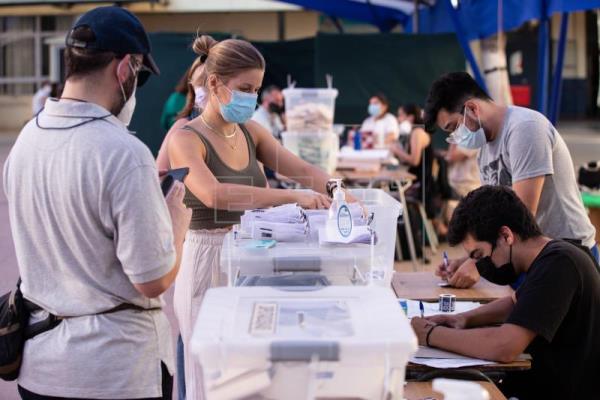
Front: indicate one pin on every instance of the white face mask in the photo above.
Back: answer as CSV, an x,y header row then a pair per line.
x,y
466,138
126,112
405,127
200,96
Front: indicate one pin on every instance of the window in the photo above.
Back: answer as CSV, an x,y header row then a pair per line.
x,y
24,56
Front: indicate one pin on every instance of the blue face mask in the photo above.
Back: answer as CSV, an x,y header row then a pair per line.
x,y
240,108
374,110
466,138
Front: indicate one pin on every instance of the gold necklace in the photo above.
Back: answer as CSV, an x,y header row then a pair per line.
x,y
217,132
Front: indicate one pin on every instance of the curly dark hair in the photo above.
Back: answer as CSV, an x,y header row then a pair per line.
x,y
450,92
485,210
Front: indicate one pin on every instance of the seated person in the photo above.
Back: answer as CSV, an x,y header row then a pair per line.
x,y
419,157
381,128
554,315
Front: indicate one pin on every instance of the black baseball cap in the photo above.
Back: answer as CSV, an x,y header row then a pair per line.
x,y
117,30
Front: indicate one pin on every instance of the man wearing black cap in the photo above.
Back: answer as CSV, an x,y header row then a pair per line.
x,y
96,242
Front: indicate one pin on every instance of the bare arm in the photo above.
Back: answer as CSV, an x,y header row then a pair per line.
x,y
284,162
530,191
187,150
419,139
492,313
503,343
162,159
180,219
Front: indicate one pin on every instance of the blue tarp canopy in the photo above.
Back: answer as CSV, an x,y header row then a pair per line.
x,y
470,20
478,18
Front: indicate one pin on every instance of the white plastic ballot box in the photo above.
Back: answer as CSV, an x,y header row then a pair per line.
x,y
302,343
338,264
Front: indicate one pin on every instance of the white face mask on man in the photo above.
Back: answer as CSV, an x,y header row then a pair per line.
x,y
466,138
126,112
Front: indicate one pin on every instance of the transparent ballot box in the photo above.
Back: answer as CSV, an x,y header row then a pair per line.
x,y
319,264
309,109
302,343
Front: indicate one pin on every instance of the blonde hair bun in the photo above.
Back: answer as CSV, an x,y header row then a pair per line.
x,y
202,45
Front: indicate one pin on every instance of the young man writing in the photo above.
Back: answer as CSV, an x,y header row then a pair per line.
x,y
554,315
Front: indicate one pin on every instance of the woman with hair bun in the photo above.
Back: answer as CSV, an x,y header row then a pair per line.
x,y
223,148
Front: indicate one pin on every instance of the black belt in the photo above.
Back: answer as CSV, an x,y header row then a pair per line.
x,y
52,321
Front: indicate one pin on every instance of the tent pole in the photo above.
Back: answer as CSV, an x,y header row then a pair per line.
x,y
464,43
415,28
543,49
558,69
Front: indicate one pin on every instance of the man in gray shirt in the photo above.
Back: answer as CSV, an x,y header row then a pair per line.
x,y
519,148
91,228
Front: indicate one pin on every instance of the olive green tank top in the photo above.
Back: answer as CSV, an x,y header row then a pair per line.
x,y
253,175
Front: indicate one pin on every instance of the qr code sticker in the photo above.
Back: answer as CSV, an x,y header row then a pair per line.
x,y
264,319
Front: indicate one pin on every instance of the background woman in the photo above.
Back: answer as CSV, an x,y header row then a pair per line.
x,y
381,127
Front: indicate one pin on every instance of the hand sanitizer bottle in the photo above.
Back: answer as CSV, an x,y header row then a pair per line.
x,y
339,221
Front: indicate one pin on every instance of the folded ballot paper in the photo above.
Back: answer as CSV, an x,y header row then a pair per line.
x,y
285,223
291,223
278,231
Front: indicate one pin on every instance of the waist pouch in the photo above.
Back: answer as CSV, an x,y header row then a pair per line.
x,y
15,311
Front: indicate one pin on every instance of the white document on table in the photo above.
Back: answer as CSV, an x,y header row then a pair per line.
x,y
437,358
413,309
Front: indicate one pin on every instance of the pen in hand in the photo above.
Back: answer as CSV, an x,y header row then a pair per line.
x,y
422,309
446,263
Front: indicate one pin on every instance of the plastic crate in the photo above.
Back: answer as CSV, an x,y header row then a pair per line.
x,y
350,264
309,109
300,343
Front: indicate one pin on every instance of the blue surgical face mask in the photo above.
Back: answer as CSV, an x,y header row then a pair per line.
x,y
374,110
466,138
240,108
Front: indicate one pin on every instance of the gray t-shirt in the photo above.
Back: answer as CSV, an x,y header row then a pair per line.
x,y
88,221
527,147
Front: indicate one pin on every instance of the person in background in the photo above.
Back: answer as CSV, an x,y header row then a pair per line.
x,y
463,174
419,157
271,112
95,239
222,148
554,315
40,97
519,148
380,129
176,102
194,103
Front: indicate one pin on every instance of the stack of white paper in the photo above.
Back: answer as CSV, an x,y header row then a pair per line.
x,y
285,223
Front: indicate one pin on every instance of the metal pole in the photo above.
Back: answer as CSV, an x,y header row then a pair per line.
x,y
558,69
543,49
415,29
464,43
37,52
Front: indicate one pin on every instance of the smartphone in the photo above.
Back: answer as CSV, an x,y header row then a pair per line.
x,y
171,176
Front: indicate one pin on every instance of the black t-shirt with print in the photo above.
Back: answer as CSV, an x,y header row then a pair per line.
x,y
560,301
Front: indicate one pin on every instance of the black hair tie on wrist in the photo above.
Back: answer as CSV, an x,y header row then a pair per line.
x,y
429,334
